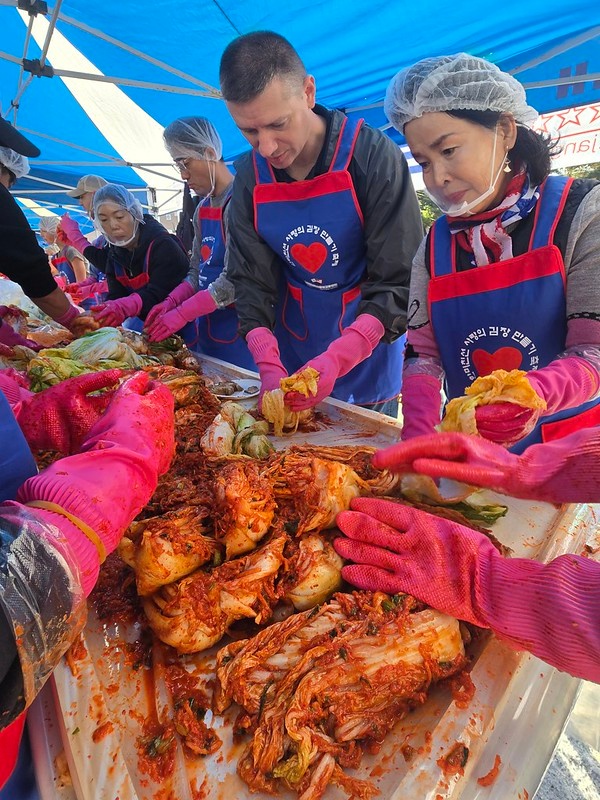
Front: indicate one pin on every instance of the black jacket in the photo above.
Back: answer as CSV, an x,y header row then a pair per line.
x,y
167,268
392,229
21,258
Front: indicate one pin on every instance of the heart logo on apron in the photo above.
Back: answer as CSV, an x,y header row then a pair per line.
x,y
311,258
505,358
205,252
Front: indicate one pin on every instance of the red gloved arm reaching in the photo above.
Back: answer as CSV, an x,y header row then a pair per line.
x,y
59,418
356,343
65,521
563,471
550,609
265,352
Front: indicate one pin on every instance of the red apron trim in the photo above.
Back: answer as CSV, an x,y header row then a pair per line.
x,y
560,209
303,190
563,427
210,212
269,167
337,146
134,283
453,246
296,294
347,298
529,266
10,741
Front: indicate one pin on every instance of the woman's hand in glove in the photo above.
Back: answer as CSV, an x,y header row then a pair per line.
x,y
505,423
551,610
59,418
10,338
107,484
115,312
400,549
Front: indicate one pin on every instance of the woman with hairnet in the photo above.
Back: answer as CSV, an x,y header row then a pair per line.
x,y
21,258
205,298
142,261
508,278
68,261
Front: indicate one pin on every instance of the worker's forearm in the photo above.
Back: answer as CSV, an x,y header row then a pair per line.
x,y
55,304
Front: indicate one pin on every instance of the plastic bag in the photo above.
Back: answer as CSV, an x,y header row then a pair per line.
x,y
40,592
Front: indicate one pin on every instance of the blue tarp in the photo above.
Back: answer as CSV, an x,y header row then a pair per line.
x,y
353,49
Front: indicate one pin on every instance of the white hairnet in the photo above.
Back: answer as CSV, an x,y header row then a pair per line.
x,y
115,193
450,83
15,162
190,137
49,224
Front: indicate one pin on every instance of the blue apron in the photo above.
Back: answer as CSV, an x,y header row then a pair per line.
x,y
218,334
63,266
316,227
99,276
16,461
507,315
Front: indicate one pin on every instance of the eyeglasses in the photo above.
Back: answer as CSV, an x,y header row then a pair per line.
x,y
182,164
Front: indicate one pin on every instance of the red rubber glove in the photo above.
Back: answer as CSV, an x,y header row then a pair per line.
x,y
421,404
69,232
59,418
356,343
10,338
566,470
166,325
180,293
265,352
111,480
550,610
564,383
115,312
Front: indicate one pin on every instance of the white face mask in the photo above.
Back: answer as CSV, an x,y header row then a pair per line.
x,y
466,209
122,242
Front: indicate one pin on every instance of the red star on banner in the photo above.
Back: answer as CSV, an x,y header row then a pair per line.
x,y
570,116
595,109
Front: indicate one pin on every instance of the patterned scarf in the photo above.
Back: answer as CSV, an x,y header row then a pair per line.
x,y
485,234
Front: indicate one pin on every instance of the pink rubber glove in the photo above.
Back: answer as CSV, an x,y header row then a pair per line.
x,y
59,418
421,404
180,293
69,232
506,423
69,316
551,610
167,324
564,383
10,338
129,447
87,288
115,312
566,470
356,343
265,352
